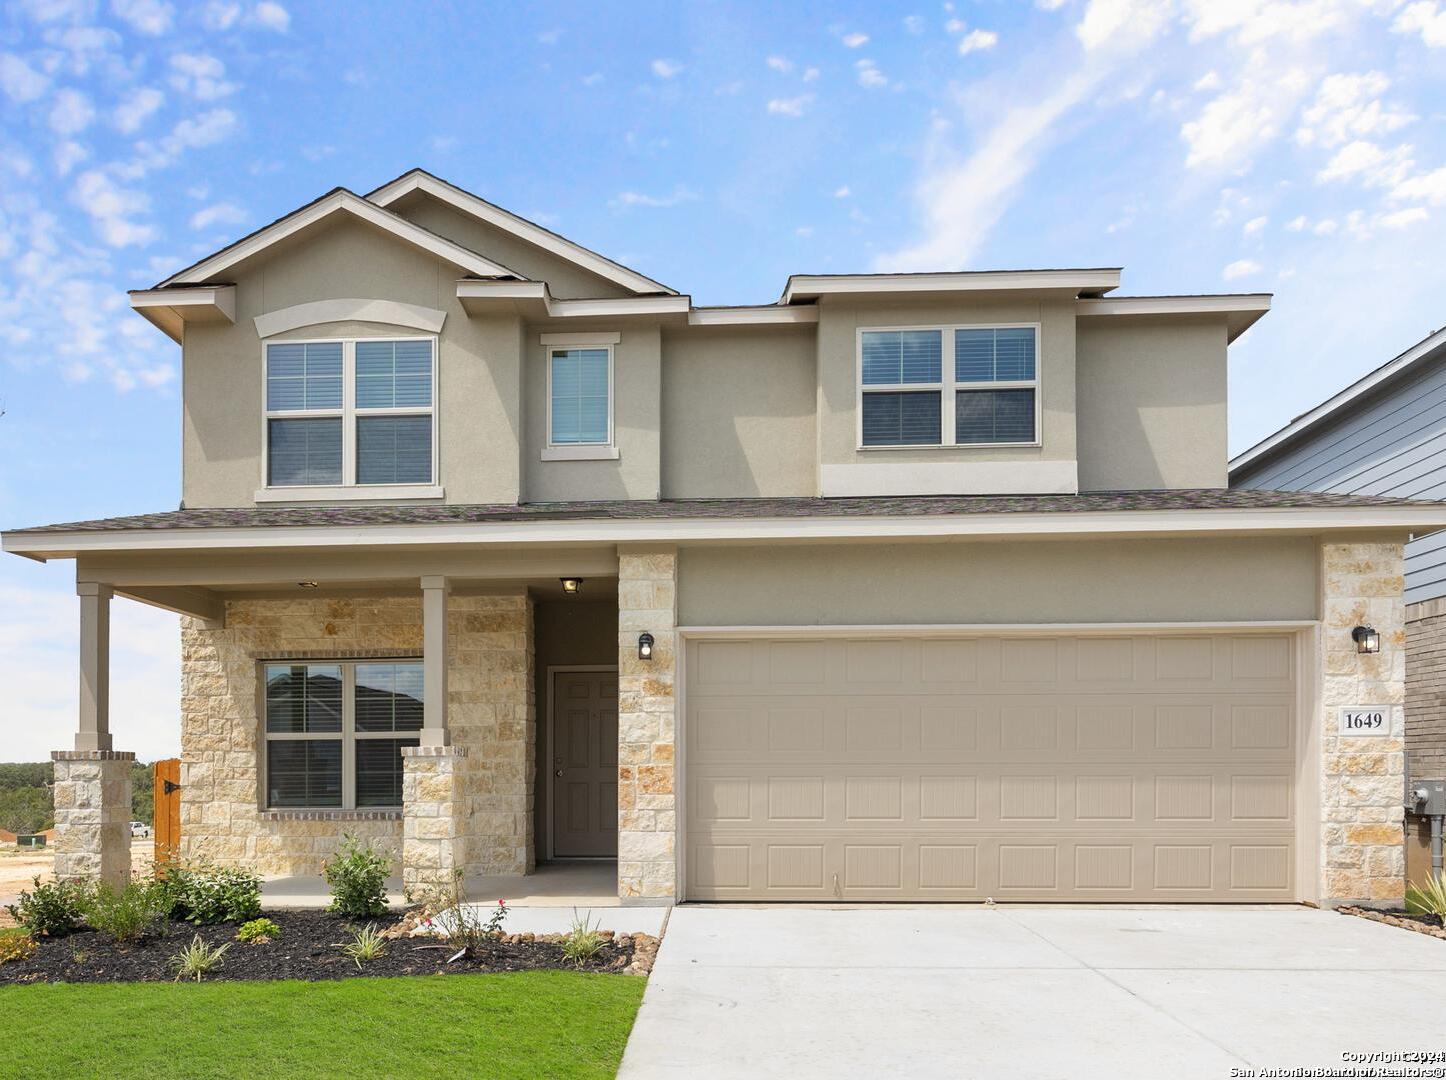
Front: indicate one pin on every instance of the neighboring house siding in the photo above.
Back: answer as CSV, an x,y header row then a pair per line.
x,y
1394,444
1426,691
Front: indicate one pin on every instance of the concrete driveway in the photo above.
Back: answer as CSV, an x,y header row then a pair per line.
x,y
1029,991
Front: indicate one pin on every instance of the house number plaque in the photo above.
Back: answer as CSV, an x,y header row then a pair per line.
x,y
1363,720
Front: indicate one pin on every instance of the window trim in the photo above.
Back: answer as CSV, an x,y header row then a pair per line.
x,y
348,733
949,385
591,451
349,413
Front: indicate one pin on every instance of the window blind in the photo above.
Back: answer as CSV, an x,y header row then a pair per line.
x,y
393,374
303,451
303,377
994,355
394,450
579,396
901,418
994,416
892,357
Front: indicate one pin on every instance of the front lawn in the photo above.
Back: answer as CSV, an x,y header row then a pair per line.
x,y
527,1024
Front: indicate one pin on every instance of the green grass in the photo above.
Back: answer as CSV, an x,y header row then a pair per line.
x,y
524,1024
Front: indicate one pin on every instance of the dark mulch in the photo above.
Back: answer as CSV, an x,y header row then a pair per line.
x,y
305,949
1425,920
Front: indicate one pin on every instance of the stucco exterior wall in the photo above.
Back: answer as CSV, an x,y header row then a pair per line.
x,y
490,706
1151,403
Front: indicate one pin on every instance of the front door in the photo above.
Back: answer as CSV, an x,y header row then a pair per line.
x,y
584,754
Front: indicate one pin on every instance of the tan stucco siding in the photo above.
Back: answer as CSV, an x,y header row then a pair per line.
x,y
738,413
565,279
478,401
636,392
1182,580
1152,404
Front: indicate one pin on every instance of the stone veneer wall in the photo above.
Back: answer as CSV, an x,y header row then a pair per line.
x,y
1363,856
93,815
490,705
647,816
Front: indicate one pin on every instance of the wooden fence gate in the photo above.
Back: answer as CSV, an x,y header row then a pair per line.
x,y
167,819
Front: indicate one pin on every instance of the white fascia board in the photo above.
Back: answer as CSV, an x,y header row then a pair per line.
x,y
1341,401
171,309
698,530
341,202
762,315
526,230
808,286
476,294
1241,311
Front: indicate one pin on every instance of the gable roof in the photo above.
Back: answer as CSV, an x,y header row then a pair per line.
x,y
477,207
336,201
1428,350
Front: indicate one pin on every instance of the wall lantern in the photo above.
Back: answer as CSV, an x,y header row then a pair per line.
x,y
1367,639
571,586
645,646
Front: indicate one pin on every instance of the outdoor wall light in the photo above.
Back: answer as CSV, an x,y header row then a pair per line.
x,y
1367,639
645,646
307,584
571,586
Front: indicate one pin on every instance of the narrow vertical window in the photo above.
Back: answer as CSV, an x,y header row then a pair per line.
x,y
580,382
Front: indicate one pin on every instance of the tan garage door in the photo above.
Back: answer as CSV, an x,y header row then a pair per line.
x,y
1148,767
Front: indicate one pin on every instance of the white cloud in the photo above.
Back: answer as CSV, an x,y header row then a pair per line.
x,y
665,69
222,213
549,37
270,16
1236,123
19,80
977,40
1050,5
842,193
1400,219
1254,225
112,209
1209,81
793,106
1296,224
955,26
804,231
854,40
592,79
135,108
1427,187
1121,24
870,77
68,155
781,64
1325,227
1426,18
679,195
914,24
220,15
71,113
1349,107
144,16
1368,164
201,76
1241,268
810,74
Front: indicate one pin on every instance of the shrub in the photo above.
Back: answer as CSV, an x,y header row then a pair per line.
x,y
1428,898
128,913
358,874
53,909
203,893
583,941
198,959
366,944
16,947
458,918
258,932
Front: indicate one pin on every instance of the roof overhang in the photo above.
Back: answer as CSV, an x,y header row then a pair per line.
x,y
1241,311
761,315
546,239
172,309
1421,352
1089,282
1129,523
534,300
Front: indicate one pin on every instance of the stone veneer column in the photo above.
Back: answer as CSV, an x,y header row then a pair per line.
x,y
1362,838
93,814
434,821
647,816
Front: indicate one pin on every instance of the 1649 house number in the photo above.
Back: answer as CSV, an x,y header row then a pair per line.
x,y
1363,720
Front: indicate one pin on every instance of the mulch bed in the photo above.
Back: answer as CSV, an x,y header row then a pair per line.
x,y
1422,924
306,949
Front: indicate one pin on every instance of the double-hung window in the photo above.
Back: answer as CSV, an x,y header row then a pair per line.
x,y
579,381
335,732
949,386
350,413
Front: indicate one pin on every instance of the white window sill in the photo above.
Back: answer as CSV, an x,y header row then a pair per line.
x,y
364,493
952,446
579,453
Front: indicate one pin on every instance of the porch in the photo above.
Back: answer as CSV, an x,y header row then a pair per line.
x,y
582,884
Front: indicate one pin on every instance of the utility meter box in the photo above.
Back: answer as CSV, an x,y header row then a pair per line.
x,y
1427,797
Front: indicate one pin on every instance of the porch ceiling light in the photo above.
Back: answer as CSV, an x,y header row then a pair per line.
x,y
307,584
1367,639
571,586
645,646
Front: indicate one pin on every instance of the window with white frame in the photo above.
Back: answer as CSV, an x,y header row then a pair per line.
x,y
355,412
335,732
949,386
579,382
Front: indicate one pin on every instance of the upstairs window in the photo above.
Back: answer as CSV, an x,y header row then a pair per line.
x,y
345,413
579,395
948,386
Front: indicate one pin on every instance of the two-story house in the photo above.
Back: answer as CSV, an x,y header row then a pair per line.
x,y
906,586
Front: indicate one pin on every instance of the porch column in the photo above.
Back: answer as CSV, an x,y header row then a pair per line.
x,y
94,730
435,590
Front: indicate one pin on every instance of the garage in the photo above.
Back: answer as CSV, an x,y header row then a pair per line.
x,y
1101,766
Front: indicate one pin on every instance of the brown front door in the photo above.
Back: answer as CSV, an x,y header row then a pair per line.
x,y
584,755
166,822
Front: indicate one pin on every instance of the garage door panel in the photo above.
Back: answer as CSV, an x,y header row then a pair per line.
x,y
1103,767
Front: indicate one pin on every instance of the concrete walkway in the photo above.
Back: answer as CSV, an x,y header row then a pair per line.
x,y
1029,991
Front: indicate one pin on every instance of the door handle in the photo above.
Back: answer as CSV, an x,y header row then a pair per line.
x,y
559,772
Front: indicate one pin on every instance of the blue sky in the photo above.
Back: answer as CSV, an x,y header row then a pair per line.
x,y
1290,146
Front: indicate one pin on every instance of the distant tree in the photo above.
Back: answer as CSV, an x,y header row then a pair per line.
x,y
26,810
143,802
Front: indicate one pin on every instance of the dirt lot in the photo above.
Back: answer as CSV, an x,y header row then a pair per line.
x,y
19,866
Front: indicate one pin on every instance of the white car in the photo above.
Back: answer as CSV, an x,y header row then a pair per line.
x,y
140,828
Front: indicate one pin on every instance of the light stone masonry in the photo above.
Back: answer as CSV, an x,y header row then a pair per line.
x,y
93,815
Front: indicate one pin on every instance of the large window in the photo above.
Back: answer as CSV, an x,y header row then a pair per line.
x,y
335,732
949,386
579,384
345,413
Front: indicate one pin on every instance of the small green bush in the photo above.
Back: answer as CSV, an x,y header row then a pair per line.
x,y
366,944
129,913
258,932
204,893
198,959
583,941
1428,898
358,874
54,908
